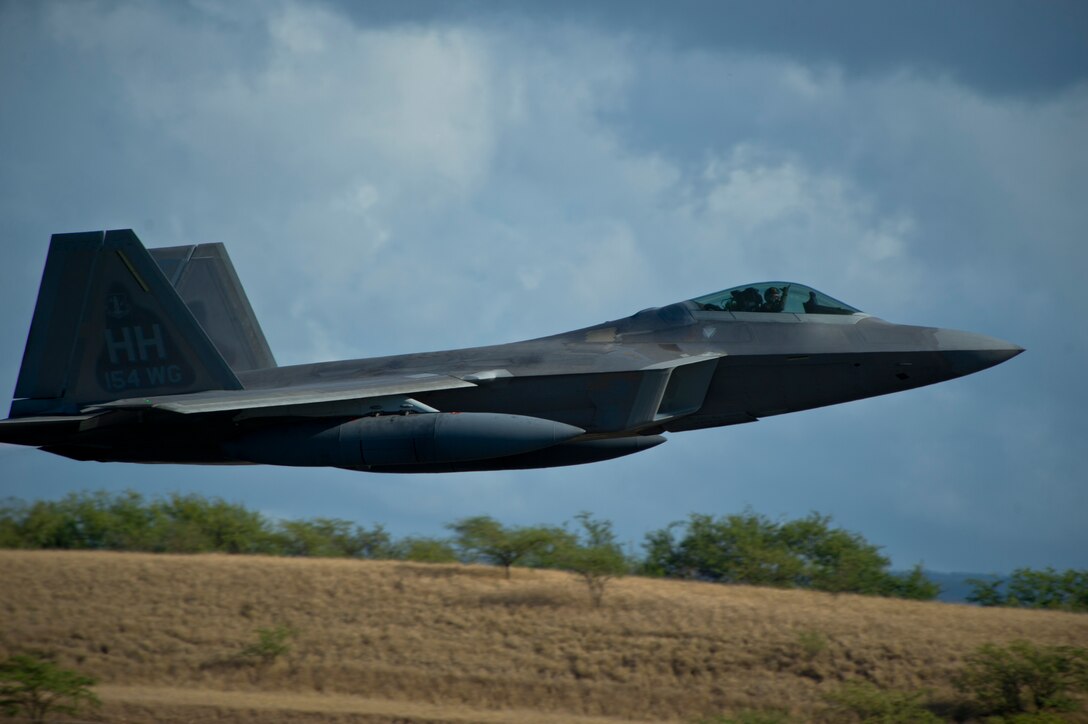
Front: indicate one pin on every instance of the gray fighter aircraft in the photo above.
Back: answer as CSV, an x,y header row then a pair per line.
x,y
156,357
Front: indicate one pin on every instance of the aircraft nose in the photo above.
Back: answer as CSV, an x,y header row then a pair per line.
x,y
967,352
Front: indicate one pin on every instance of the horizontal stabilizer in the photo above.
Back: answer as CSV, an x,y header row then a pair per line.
x,y
40,430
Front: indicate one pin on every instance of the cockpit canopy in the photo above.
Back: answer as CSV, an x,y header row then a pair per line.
x,y
773,297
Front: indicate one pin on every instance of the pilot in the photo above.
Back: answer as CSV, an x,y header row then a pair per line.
x,y
749,300
773,301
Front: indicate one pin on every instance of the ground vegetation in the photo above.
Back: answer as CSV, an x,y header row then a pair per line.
x,y
401,641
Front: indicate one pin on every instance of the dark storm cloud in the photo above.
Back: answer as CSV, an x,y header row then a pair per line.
x,y
999,46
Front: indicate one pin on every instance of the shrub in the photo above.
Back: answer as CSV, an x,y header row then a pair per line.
x,y
811,644
1024,677
870,703
271,644
34,688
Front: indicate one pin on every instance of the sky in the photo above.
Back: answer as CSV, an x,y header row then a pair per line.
x,y
397,177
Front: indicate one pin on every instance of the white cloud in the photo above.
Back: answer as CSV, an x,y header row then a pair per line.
x,y
772,217
377,158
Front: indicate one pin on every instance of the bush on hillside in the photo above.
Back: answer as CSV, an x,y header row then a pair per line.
x,y
1024,677
34,688
867,702
271,644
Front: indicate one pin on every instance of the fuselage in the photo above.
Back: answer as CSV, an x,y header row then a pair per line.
x,y
141,357
764,365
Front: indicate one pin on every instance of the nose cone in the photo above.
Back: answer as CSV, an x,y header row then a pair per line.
x,y
967,352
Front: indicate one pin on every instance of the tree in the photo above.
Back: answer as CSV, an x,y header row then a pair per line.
x,y
193,524
594,555
913,585
483,537
839,561
328,538
35,688
372,544
1029,588
424,550
125,521
986,593
733,549
804,553
1048,588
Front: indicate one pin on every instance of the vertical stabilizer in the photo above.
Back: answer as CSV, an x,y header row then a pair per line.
x,y
108,324
206,281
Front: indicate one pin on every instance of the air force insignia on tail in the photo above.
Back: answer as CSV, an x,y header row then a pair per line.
x,y
118,306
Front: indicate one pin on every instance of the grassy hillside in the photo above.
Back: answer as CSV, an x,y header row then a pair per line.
x,y
393,641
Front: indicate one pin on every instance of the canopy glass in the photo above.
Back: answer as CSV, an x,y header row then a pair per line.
x,y
771,297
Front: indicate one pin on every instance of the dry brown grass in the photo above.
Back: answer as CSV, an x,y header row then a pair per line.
x,y
392,641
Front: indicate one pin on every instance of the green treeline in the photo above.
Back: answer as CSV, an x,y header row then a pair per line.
x,y
182,524
1027,588
743,548
803,553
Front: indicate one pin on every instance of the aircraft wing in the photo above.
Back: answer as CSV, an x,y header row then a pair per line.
x,y
663,392
374,392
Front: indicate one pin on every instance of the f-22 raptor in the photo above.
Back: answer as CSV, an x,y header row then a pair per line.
x,y
155,356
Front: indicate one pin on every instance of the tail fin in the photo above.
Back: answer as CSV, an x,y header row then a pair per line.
x,y
108,324
206,281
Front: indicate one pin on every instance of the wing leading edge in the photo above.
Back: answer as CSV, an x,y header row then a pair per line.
x,y
369,394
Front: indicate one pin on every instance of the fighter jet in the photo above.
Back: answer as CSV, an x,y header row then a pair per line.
x,y
155,356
